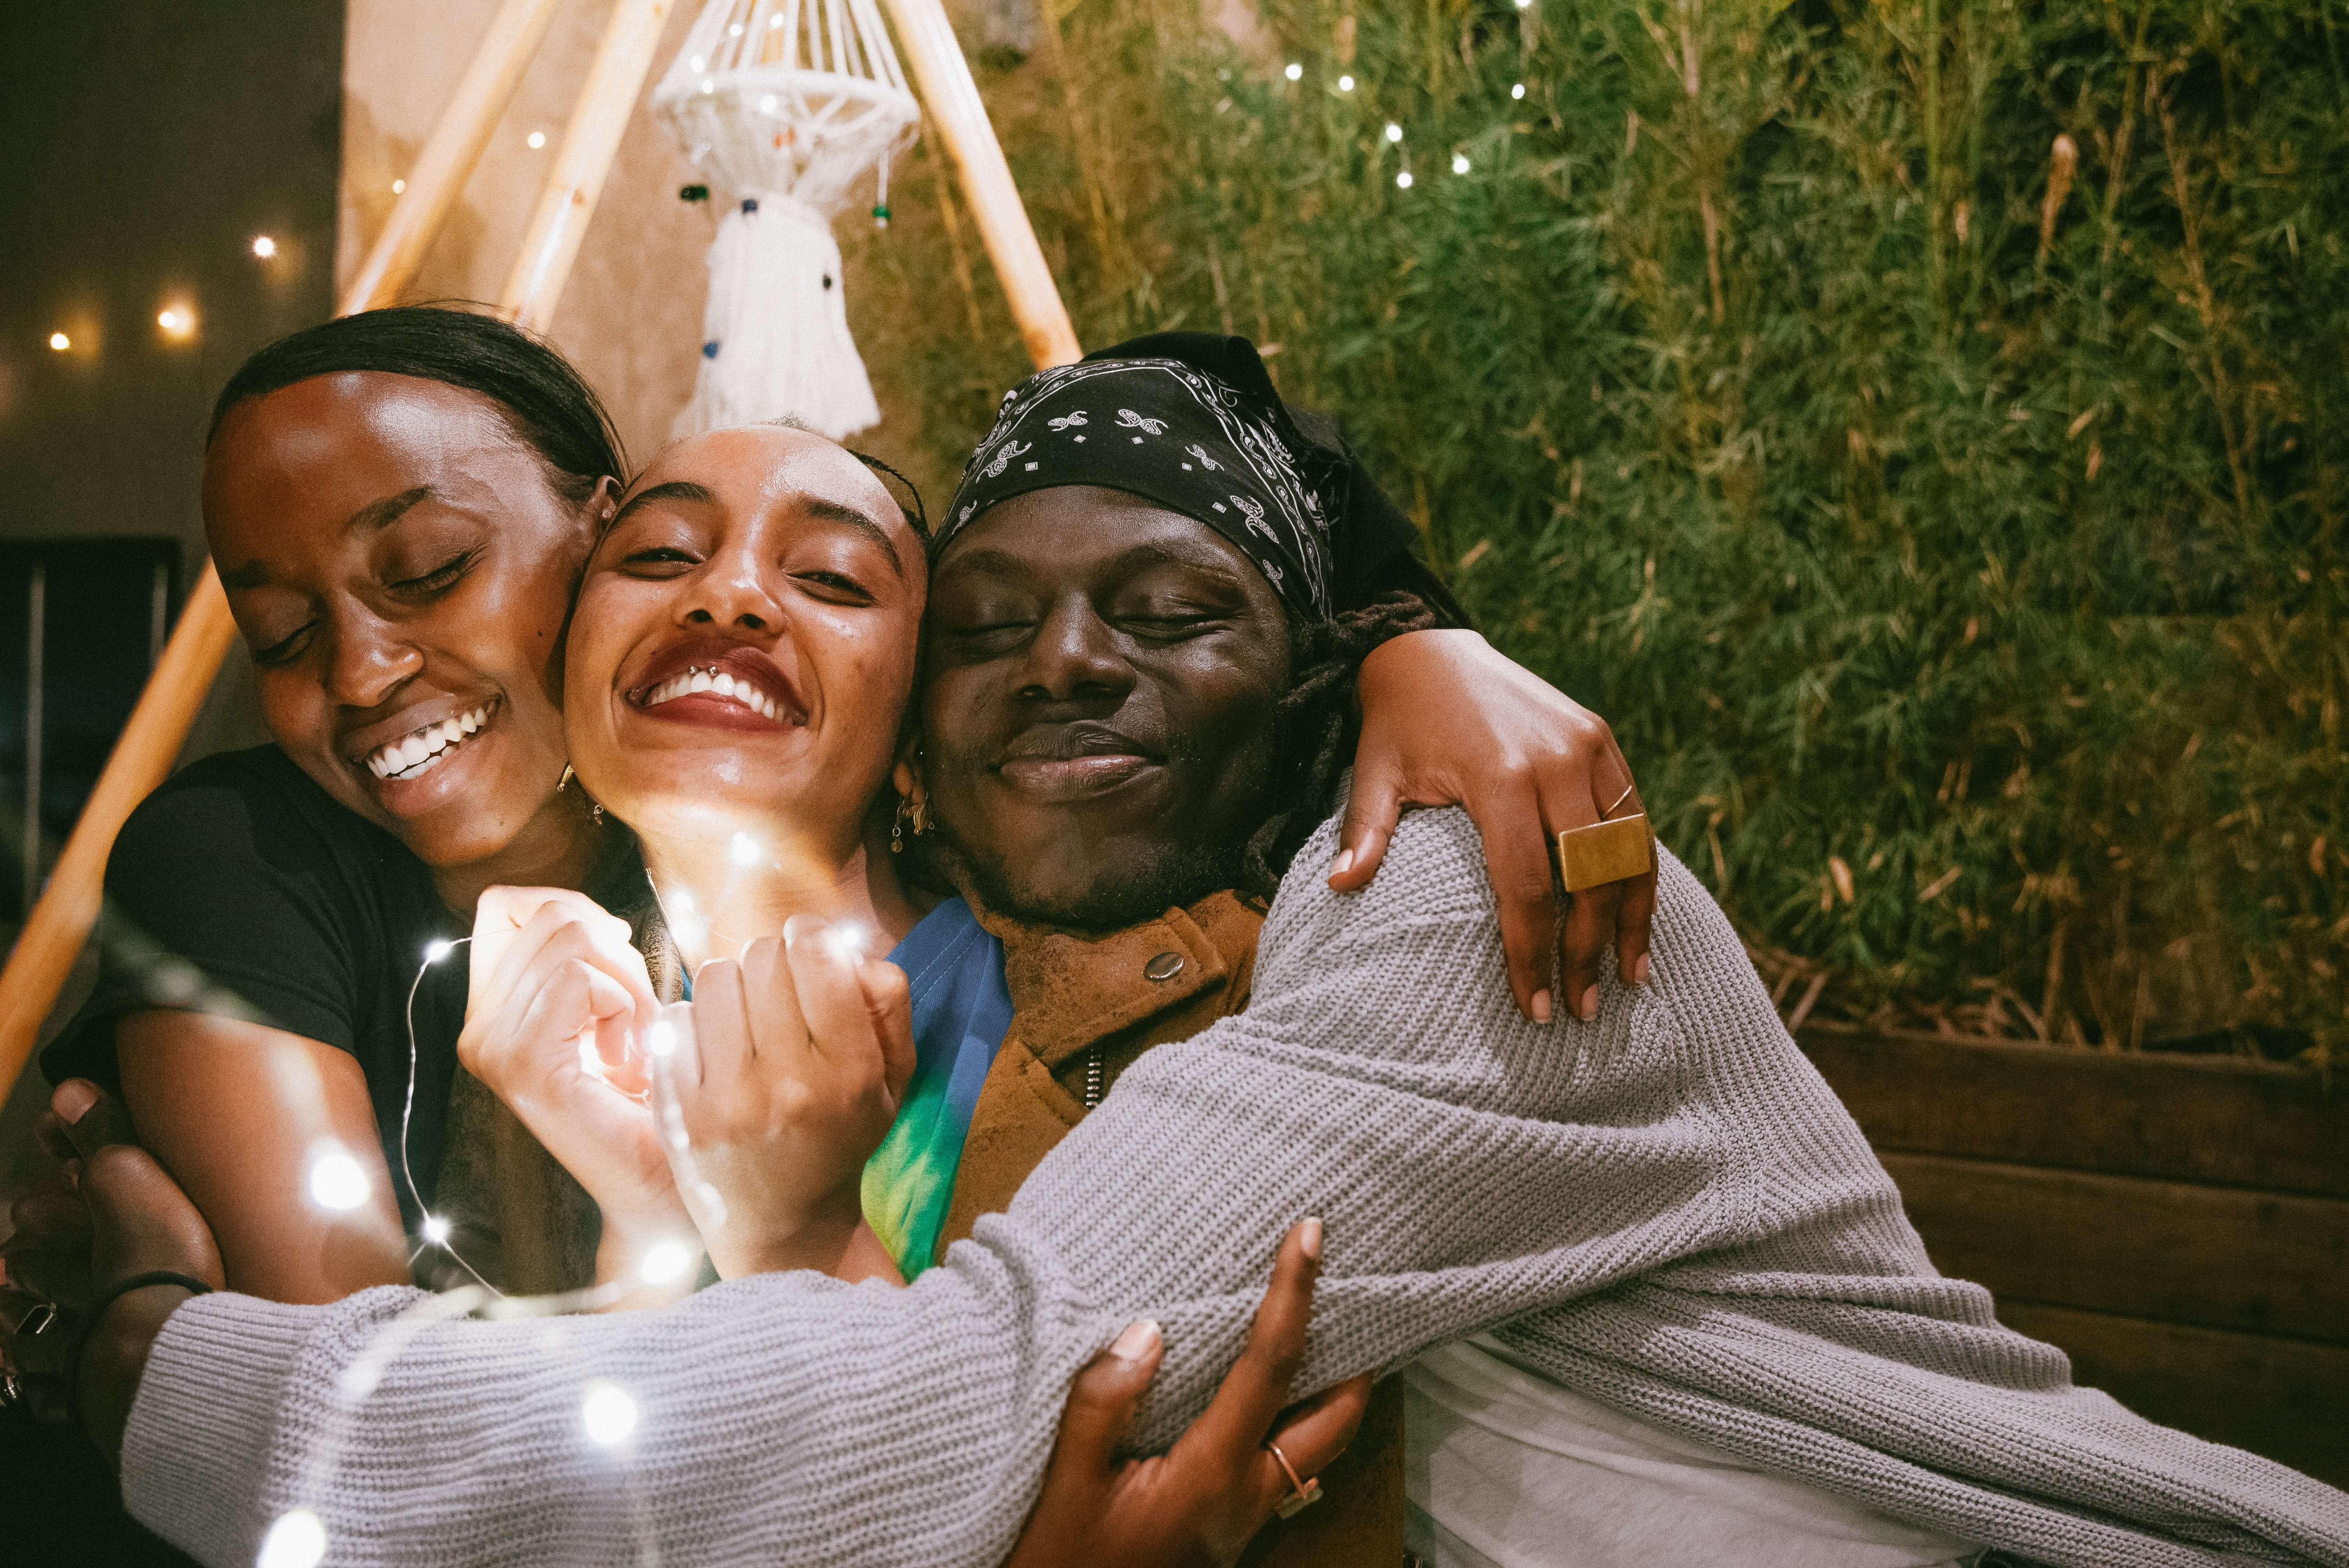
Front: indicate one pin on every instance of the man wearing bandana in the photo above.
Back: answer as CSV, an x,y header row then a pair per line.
x,y
1133,706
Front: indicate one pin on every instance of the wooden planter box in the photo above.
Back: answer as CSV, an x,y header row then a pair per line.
x,y
2179,1225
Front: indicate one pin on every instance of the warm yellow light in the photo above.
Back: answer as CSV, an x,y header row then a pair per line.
x,y
263,246
538,139
60,342
398,187
177,320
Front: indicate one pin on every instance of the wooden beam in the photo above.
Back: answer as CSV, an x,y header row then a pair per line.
x,y
450,152
2223,1257
960,116
2145,1113
2284,1399
574,181
142,756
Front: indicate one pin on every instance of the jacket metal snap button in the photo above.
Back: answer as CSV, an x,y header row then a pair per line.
x,y
1165,967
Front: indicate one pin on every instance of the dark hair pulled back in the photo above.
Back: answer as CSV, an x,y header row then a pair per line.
x,y
546,403
1315,727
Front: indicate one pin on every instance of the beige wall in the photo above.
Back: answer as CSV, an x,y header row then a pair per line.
x,y
631,319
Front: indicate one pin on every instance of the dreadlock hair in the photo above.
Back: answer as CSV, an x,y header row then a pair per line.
x,y
1315,726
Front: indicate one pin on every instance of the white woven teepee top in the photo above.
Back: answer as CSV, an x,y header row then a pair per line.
x,y
794,96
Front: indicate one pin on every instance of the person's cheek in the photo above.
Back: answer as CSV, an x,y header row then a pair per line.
x,y
291,715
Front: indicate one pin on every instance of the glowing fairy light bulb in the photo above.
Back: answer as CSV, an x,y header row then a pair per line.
x,y
686,921
698,64
1402,181
767,102
437,951
1346,83
298,1539
400,187
337,1181
1459,163
665,1261
608,1413
263,246
1295,73
661,1038
176,320
436,1230
537,138
1517,92
60,342
1394,131
744,850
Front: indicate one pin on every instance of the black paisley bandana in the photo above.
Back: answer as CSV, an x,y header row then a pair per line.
x,y
1175,436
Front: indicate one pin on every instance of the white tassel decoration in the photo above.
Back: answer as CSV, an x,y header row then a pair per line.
x,y
775,334
785,104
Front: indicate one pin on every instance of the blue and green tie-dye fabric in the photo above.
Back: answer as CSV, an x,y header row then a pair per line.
x,y
961,1012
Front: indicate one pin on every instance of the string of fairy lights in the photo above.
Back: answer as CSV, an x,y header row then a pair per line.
x,y
609,1413
177,320
1404,179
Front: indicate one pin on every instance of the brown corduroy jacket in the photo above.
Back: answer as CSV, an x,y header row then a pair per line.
x,y
1163,980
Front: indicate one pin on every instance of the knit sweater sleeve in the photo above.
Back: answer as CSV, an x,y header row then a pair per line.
x,y
1469,1167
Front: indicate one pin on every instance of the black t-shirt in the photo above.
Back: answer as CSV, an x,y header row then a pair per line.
x,y
241,888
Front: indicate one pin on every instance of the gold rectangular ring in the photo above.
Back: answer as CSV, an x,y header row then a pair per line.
x,y
1303,1497
1604,852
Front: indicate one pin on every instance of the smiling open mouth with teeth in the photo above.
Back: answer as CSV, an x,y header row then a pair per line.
x,y
716,683
418,753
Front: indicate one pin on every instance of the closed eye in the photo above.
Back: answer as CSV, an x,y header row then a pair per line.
x,y
834,587
1173,624
440,577
657,560
285,650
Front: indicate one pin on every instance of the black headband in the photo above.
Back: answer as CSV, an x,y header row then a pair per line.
x,y
1171,434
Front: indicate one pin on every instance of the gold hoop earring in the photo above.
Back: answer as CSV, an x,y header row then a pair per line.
x,y
910,812
595,807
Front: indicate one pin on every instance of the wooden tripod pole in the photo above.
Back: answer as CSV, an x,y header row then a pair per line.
x,y
956,108
575,179
448,158
61,919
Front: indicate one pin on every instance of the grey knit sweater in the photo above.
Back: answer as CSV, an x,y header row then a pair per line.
x,y
1668,1209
